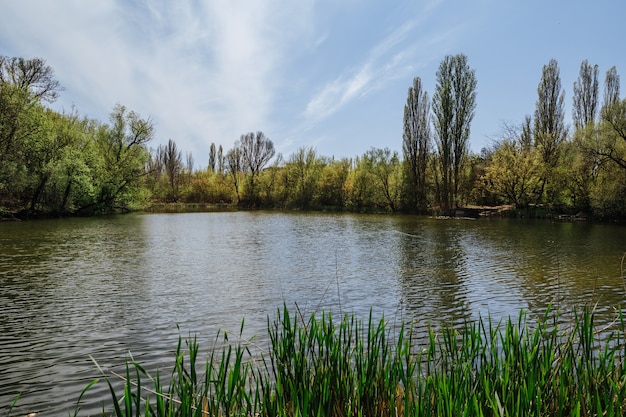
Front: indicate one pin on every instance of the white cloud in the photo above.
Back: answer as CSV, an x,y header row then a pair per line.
x,y
203,71
388,59
210,71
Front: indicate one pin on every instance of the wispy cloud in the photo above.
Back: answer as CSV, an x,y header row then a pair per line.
x,y
386,60
210,71
205,71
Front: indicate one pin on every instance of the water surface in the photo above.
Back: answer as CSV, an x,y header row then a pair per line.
x,y
104,287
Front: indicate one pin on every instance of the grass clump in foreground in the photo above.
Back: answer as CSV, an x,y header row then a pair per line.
x,y
555,367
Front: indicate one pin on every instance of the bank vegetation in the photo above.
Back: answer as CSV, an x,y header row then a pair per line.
x,y
554,365
60,164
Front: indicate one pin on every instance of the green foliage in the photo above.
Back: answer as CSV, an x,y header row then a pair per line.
x,y
416,148
62,164
302,177
515,174
53,163
555,365
454,103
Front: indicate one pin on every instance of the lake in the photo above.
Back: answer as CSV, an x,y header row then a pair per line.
x,y
104,287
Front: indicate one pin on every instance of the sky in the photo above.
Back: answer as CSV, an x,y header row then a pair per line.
x,y
328,74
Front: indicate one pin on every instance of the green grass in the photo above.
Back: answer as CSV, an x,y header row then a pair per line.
x,y
320,366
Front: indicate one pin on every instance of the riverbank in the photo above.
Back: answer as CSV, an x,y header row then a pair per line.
x,y
470,212
560,365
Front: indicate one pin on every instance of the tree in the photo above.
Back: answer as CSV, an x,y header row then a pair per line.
x,y
220,160
600,164
256,152
70,183
526,137
333,183
585,98
611,136
415,146
386,171
611,89
121,147
454,103
363,190
514,173
549,130
212,157
234,167
582,167
304,170
24,84
30,75
173,164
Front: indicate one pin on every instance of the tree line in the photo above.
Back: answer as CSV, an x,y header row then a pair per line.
x,y
60,164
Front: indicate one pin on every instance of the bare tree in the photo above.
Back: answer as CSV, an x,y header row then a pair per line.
x,y
526,136
256,150
30,75
234,166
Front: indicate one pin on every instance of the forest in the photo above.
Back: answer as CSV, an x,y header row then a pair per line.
x,y
63,164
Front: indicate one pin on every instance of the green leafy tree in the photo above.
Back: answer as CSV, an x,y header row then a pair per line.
x,y
220,160
333,187
385,170
549,128
269,183
363,187
212,157
514,173
24,85
173,165
582,173
454,103
304,170
585,107
600,151
123,157
416,147
66,179
612,141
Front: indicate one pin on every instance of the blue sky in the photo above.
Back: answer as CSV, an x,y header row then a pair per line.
x,y
332,75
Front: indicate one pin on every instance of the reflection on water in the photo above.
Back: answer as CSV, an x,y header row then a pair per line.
x,y
104,287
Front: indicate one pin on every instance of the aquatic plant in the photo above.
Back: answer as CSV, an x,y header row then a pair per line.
x,y
555,366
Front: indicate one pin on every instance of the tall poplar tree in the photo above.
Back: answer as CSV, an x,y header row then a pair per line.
x,y
585,99
611,91
550,131
454,103
212,157
415,147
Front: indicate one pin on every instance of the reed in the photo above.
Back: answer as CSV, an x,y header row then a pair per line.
x,y
556,366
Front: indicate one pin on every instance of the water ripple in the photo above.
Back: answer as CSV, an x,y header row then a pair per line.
x,y
107,288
